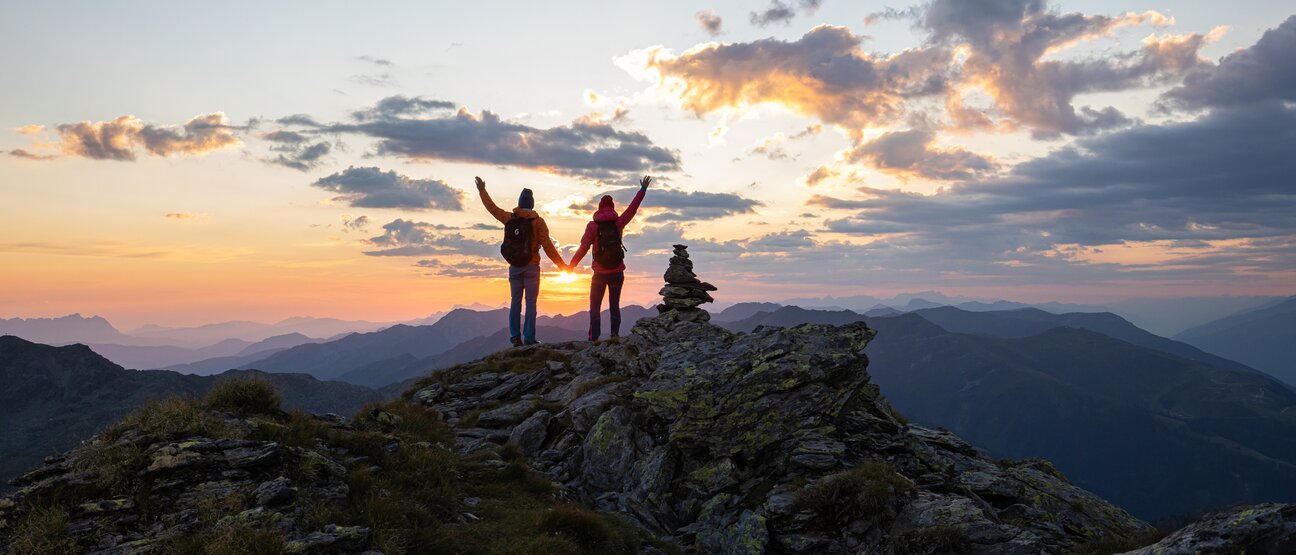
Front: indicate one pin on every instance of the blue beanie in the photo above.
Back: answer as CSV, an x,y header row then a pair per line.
x,y
526,200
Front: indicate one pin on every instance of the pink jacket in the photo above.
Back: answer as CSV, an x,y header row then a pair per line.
x,y
606,212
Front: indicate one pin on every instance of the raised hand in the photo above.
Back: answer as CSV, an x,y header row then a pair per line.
x,y
645,182
481,184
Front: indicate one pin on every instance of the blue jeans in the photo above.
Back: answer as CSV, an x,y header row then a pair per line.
x,y
523,279
613,283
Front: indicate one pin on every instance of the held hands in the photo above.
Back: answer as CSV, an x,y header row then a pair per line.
x,y
481,184
643,183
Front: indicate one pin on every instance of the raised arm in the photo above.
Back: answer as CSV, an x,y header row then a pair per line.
x,y
629,212
499,213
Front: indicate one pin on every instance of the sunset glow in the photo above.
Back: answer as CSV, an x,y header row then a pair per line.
x,y
838,151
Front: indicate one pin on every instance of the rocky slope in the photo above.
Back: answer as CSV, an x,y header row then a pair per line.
x,y
55,397
769,441
682,436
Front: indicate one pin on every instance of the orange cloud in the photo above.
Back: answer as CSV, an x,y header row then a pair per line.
x,y
123,138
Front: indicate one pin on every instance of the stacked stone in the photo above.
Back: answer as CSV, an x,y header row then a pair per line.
x,y
684,292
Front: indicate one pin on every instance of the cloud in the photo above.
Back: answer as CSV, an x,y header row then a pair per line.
x,y
824,74
588,149
180,215
371,187
23,153
399,105
1011,50
1007,42
1222,181
376,61
296,150
357,223
30,129
913,153
125,137
780,11
409,238
462,268
668,205
374,79
710,22
772,146
1265,72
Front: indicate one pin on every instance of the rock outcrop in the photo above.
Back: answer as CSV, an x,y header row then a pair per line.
x,y
769,441
1266,528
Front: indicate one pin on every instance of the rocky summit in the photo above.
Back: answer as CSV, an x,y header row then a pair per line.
x,y
679,437
773,441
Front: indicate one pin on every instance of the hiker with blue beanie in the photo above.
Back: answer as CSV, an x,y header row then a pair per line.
x,y
525,233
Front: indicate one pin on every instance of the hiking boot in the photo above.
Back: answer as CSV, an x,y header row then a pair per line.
x,y
516,341
533,342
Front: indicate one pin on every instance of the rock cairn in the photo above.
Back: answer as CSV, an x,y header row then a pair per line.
x,y
684,292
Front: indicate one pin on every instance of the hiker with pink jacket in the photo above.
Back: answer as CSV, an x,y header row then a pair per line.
x,y
603,233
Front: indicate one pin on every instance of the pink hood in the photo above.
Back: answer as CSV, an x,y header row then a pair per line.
x,y
606,210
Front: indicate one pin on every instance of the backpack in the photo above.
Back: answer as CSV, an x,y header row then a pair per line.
x,y
608,250
517,241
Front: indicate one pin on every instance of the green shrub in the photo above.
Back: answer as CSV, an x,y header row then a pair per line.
x,y
866,491
244,398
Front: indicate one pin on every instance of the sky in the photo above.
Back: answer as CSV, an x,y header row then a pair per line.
x,y
178,163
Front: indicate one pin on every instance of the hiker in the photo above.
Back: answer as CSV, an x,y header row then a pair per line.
x,y
604,234
525,233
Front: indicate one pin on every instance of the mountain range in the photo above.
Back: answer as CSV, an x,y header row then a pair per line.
x,y
1264,338
1118,408
402,352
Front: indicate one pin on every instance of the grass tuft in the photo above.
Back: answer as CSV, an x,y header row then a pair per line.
x,y
244,398
43,531
590,531
866,491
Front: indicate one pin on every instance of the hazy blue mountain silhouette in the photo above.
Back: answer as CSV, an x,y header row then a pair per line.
x,y
791,316
70,328
383,353
1264,338
742,311
249,354
1031,321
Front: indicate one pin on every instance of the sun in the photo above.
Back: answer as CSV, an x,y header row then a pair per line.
x,y
565,277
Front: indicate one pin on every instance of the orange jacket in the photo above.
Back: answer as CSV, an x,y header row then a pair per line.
x,y
539,231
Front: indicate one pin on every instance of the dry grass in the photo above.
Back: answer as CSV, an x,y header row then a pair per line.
x,y
43,531
171,417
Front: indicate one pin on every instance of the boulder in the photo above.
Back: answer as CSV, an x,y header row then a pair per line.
x,y
1265,528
